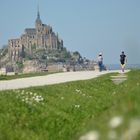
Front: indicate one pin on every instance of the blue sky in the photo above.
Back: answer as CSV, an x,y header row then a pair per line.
x,y
87,26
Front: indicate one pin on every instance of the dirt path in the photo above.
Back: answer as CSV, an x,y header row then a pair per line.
x,y
50,79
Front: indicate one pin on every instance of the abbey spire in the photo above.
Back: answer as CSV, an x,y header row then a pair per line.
x,y
38,20
38,15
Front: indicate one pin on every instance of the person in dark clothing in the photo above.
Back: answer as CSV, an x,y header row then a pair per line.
x,y
122,61
100,61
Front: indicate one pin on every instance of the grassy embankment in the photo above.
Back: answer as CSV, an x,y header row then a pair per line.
x,y
71,110
17,76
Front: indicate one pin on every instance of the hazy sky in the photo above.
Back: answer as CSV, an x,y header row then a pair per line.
x,y
87,26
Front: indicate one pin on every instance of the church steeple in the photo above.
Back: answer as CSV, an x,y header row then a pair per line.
x,y
38,20
38,15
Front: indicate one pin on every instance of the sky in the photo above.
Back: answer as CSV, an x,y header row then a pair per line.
x,y
87,26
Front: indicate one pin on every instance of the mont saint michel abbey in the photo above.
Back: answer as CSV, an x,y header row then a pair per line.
x,y
40,37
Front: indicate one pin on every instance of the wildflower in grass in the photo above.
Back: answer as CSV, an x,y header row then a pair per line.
x,y
30,97
93,135
62,98
38,98
83,94
31,93
33,97
77,90
115,121
77,106
138,84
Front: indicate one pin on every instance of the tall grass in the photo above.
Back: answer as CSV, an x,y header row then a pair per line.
x,y
70,111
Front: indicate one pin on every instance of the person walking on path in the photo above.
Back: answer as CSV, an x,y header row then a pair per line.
x,y
123,61
100,61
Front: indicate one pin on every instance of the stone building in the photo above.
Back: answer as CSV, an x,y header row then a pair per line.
x,y
40,37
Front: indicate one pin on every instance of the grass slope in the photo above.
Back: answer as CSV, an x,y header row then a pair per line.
x,y
17,76
71,110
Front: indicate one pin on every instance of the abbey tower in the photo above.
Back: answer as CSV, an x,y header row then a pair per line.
x,y
40,37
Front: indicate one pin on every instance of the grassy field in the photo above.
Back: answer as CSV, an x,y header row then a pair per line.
x,y
10,77
96,109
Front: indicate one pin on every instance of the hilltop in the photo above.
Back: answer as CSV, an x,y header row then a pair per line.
x,y
44,60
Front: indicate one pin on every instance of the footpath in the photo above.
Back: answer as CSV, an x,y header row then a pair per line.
x,y
51,79
118,79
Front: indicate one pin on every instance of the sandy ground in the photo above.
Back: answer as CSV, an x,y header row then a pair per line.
x,y
50,79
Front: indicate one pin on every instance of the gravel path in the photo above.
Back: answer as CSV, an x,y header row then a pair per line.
x,y
50,79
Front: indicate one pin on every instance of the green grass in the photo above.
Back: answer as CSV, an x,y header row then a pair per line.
x,y
70,110
10,77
